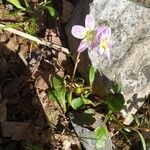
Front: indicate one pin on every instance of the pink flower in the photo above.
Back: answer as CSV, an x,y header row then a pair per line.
x,y
87,33
104,43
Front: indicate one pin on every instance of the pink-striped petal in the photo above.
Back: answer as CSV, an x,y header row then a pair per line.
x,y
108,32
89,22
94,45
103,32
78,31
83,46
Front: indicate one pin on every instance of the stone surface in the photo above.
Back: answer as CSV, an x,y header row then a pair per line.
x,y
130,66
82,124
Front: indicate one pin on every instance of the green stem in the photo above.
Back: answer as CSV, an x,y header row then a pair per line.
x,y
107,117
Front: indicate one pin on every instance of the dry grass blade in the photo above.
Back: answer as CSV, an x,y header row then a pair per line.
x,y
35,39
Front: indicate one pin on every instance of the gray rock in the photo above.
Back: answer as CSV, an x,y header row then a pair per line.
x,y
130,55
82,128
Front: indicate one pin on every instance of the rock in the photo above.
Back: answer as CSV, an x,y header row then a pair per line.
x,y
66,13
82,124
130,65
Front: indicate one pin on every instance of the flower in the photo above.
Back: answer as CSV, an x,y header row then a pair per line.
x,y
87,33
104,43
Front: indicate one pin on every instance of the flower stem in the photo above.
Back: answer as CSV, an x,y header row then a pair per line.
x,y
108,116
76,64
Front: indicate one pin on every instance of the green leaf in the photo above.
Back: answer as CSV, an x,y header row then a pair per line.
x,y
101,135
88,102
91,75
116,88
26,4
51,95
17,4
77,102
57,82
142,140
115,102
61,98
137,120
70,97
52,11
31,27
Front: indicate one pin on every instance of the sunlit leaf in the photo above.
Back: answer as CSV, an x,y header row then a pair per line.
x,y
17,4
101,135
51,95
77,102
57,82
61,98
91,75
115,102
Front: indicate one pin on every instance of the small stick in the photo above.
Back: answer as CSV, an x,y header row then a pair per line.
x,y
76,64
35,39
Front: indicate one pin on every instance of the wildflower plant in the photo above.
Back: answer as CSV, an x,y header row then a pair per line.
x,y
72,92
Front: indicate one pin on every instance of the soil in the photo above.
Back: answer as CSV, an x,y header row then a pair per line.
x,y
27,117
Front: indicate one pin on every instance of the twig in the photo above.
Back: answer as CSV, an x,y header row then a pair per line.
x,y
76,64
35,39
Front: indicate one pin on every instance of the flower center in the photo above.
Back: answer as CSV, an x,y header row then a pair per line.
x,y
104,44
90,35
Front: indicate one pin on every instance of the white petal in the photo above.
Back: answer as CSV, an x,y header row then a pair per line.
x,y
101,51
83,46
78,31
89,22
107,52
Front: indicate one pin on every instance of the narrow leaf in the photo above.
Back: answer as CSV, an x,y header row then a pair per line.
x,y
142,140
87,101
52,11
26,3
91,75
17,4
137,120
70,97
101,135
